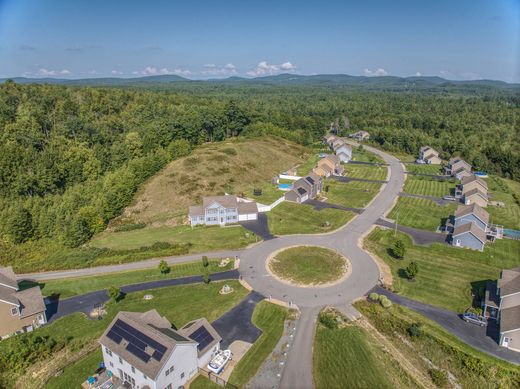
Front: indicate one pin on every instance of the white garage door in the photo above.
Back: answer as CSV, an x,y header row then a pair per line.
x,y
247,216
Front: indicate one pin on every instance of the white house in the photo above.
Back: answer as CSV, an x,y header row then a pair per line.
x,y
344,152
143,351
222,210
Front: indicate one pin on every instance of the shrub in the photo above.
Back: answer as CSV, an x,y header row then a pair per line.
x,y
398,249
373,296
439,377
415,330
411,270
205,278
163,267
205,261
114,293
385,302
328,320
129,227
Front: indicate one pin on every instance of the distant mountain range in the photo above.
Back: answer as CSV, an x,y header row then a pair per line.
x,y
384,82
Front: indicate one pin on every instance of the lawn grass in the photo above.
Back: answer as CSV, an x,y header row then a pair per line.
x,y
179,304
307,166
421,213
448,276
73,286
74,375
202,382
292,218
367,172
270,318
425,186
270,193
308,265
469,367
362,155
350,358
502,189
355,194
424,169
200,238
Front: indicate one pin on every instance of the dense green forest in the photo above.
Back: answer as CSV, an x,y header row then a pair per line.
x,y
71,158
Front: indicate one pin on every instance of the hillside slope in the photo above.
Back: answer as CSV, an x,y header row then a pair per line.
x,y
231,166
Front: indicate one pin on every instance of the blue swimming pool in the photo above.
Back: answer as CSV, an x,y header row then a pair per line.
x,y
514,234
481,174
284,186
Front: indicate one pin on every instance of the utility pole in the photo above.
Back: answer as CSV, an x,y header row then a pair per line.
x,y
396,217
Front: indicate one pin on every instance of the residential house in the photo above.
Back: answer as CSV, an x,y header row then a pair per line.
x,y
305,188
469,183
360,135
458,168
20,310
471,214
337,143
222,210
470,236
330,165
329,139
429,156
475,196
143,350
502,303
344,152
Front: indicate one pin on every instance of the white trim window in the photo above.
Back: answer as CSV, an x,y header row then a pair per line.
x,y
15,311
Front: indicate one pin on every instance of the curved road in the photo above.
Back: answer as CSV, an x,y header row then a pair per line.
x,y
365,273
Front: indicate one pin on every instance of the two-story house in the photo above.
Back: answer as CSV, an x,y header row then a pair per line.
x,y
20,310
329,139
305,188
343,152
222,210
429,155
144,351
502,303
458,168
329,166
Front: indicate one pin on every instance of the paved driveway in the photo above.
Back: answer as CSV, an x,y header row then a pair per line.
x,y
420,237
319,205
482,338
236,324
438,200
259,227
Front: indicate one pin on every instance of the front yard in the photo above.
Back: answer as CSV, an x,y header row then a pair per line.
x,y
367,172
426,186
355,194
421,213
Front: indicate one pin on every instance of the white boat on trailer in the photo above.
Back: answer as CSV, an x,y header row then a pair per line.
x,y
219,361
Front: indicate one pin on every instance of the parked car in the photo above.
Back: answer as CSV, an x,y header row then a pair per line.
x,y
473,318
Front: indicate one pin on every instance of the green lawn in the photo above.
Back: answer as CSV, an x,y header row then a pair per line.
x,y
429,187
74,375
350,358
292,218
421,213
356,194
447,275
201,238
270,193
307,166
309,265
469,367
424,169
74,286
368,172
179,304
365,156
202,382
270,318
502,189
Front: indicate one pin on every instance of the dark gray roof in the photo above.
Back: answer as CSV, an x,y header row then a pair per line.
x,y
31,301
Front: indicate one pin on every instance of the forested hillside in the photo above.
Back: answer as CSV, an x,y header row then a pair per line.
x,y
71,158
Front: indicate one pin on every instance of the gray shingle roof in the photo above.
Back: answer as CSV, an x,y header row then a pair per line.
x,y
510,319
469,179
247,207
8,278
227,201
472,229
477,210
192,326
509,281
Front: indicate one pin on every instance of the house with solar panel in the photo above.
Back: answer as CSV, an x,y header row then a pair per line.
x,y
305,188
142,350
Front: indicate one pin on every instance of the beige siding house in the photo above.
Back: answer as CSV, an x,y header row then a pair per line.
x,y
429,156
20,310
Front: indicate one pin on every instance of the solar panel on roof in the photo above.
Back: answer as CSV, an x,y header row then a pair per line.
x,y
310,180
157,355
113,336
144,338
301,191
129,338
138,352
202,337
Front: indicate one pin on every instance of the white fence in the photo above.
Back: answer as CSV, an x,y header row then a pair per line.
x,y
267,208
288,177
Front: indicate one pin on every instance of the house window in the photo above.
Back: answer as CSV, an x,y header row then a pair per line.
x,y
133,369
167,372
145,377
14,311
182,375
111,364
169,386
120,361
108,351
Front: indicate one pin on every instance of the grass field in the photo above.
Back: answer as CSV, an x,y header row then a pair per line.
x,y
356,194
190,302
502,189
308,265
307,166
447,275
270,318
202,382
368,172
421,213
424,169
436,349
270,193
350,358
292,218
74,375
365,156
200,238
428,187
233,166
74,286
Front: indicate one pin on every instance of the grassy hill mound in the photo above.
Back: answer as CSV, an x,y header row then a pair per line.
x,y
232,166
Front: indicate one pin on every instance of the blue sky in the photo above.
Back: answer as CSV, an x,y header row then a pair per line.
x,y
461,39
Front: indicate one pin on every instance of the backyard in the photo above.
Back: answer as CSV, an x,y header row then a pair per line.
x,y
421,213
426,186
366,172
355,194
292,218
424,168
504,190
447,275
362,155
